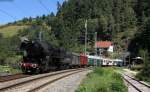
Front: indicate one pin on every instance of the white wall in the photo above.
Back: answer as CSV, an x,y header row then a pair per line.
x,y
110,49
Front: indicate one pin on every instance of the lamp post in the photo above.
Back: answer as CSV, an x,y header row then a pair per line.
x,y
40,35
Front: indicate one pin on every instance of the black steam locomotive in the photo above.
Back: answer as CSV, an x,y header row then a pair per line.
x,y
39,57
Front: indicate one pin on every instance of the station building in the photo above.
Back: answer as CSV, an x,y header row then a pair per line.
x,y
103,47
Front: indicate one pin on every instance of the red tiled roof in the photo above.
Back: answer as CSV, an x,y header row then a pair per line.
x,y
103,44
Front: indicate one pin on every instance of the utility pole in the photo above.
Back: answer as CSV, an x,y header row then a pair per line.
x,y
40,35
85,35
95,43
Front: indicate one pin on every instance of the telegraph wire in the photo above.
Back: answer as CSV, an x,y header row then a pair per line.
x,y
13,17
19,8
41,3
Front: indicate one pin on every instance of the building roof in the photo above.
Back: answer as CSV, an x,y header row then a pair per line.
x,y
103,44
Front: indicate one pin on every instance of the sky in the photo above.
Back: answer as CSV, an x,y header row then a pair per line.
x,y
12,10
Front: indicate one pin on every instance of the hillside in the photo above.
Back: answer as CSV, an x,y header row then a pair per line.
x,y
119,21
9,31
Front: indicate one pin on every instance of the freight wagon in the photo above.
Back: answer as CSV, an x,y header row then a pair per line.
x,y
75,62
83,60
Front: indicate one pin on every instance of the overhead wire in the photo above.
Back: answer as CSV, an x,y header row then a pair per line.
x,y
19,8
4,12
41,3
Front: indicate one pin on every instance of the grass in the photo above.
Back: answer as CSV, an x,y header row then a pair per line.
x,y
8,69
103,80
10,31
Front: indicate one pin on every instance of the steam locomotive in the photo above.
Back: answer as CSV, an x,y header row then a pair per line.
x,y
39,57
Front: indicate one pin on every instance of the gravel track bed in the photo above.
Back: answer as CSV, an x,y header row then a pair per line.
x,y
134,85
137,84
67,84
12,77
17,81
30,85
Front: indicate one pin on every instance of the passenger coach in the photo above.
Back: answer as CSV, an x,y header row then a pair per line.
x,y
94,60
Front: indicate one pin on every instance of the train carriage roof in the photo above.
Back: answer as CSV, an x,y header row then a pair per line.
x,y
119,60
93,57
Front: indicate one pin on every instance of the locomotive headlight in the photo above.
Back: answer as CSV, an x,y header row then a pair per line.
x,y
24,64
34,65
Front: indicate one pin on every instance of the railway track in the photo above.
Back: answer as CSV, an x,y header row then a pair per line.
x,y
136,84
36,83
12,77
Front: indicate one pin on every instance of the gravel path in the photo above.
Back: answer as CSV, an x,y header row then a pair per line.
x,y
4,74
67,84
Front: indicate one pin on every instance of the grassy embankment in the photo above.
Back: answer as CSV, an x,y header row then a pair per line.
x,y
144,74
8,69
9,61
103,80
10,31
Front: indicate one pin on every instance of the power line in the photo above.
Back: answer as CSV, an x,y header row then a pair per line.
x,y
13,17
43,5
19,8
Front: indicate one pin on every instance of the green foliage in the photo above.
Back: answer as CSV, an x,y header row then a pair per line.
x,y
106,17
137,67
144,75
103,80
8,56
144,54
9,43
145,72
9,69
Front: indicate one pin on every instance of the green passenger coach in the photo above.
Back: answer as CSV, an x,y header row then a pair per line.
x,y
94,60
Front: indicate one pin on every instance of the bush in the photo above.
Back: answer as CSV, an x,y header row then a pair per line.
x,y
144,75
137,67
